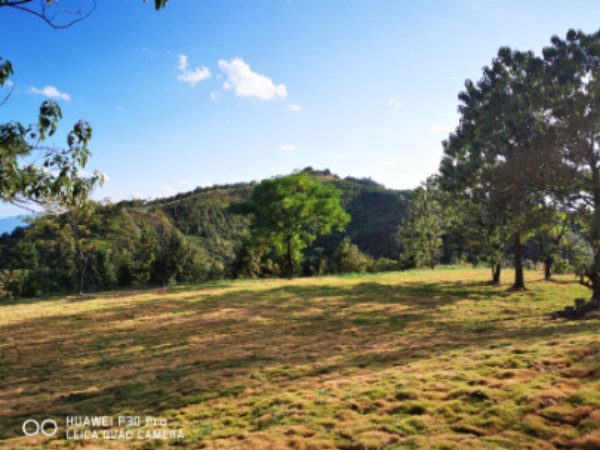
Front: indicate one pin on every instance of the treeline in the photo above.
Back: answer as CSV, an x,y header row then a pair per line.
x,y
190,237
522,165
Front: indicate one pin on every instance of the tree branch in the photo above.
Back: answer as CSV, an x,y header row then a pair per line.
x,y
42,12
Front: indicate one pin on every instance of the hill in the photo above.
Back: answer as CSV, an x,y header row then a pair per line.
x,y
417,359
375,210
198,228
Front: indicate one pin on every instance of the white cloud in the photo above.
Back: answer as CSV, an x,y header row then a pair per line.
x,y
120,108
394,104
295,108
9,83
441,128
191,77
287,148
183,62
50,92
249,84
214,96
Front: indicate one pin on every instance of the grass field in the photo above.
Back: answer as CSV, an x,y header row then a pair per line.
x,y
421,359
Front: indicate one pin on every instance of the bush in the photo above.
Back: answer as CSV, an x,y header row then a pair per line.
x,y
349,258
14,284
562,266
382,265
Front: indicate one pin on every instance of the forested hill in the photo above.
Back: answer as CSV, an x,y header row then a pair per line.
x,y
194,235
376,213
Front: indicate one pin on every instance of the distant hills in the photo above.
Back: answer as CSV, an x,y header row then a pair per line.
x,y
375,210
126,237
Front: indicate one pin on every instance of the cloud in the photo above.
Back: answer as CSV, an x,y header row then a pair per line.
x,y
394,104
214,96
9,83
249,84
441,128
287,148
120,108
50,92
183,62
295,108
191,77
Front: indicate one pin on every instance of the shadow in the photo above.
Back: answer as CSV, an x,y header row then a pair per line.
x,y
150,356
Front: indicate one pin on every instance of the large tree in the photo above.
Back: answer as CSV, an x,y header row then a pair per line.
x,y
496,157
289,213
573,74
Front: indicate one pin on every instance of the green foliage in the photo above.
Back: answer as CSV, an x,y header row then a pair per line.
x,y
288,213
22,183
170,252
120,240
382,265
423,227
350,259
13,283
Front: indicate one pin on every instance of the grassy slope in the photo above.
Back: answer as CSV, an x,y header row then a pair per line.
x,y
403,360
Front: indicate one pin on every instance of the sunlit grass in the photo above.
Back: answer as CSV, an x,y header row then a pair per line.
x,y
416,359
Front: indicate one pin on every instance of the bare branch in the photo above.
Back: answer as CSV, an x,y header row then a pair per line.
x,y
43,13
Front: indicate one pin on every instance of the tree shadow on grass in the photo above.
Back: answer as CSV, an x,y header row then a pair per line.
x,y
149,356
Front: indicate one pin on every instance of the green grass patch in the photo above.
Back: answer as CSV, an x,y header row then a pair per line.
x,y
421,359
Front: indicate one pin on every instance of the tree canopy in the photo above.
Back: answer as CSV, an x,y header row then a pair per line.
x,y
290,212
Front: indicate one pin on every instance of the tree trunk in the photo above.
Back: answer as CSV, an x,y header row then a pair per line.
x,y
82,264
431,248
519,279
290,259
548,268
496,268
594,273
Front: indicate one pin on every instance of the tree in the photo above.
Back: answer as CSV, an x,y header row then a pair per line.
x,y
424,226
551,237
497,156
21,182
77,212
289,212
479,230
170,253
573,73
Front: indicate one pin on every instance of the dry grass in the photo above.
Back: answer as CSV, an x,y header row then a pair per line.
x,y
435,360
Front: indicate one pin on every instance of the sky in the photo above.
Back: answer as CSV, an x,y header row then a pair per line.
x,y
221,91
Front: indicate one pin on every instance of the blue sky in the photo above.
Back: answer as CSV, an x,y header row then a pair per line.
x,y
220,91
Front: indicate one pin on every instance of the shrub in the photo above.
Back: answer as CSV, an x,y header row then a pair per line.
x,y
349,258
382,265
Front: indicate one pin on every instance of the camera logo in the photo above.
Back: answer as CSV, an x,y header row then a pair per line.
x,y
47,427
